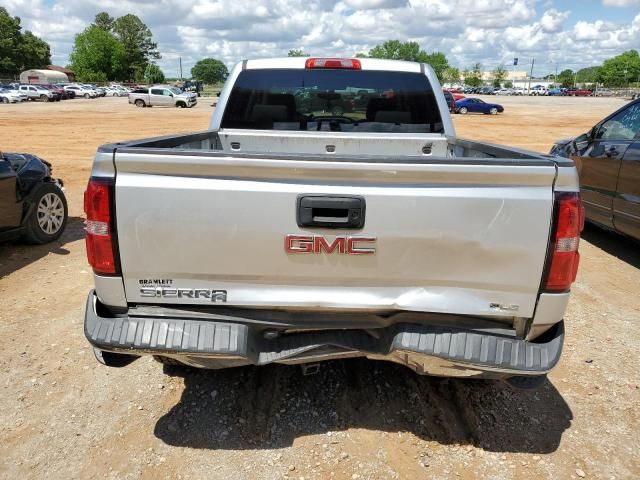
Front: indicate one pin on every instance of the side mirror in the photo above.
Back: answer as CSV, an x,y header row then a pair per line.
x,y
581,142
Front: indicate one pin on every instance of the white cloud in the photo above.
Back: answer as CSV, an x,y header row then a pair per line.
x,y
621,3
490,32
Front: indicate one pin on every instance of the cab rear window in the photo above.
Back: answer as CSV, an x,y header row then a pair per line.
x,y
332,100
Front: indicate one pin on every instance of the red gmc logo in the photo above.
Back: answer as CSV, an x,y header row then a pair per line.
x,y
345,244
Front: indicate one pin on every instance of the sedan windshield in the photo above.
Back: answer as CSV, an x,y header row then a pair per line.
x,y
333,100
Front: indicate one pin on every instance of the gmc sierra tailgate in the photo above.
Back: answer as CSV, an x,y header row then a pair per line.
x,y
463,236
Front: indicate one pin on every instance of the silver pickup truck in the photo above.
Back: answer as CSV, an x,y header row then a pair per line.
x,y
162,96
331,212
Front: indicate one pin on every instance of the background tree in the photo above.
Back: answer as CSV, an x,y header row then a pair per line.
x,y
138,44
498,76
20,51
411,51
153,74
98,54
473,77
620,70
566,78
104,21
210,71
587,75
297,53
508,84
451,75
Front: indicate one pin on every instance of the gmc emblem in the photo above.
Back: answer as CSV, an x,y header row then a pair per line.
x,y
344,244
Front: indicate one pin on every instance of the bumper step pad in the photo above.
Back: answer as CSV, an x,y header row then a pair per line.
x,y
209,338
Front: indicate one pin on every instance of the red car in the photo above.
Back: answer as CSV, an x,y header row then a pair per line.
x,y
579,92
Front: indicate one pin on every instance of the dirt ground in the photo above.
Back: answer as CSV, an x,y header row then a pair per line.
x,y
62,415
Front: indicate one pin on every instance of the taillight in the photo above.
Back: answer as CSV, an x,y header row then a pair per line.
x,y
100,234
343,63
563,256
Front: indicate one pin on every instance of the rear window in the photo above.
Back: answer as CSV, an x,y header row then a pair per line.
x,y
140,90
332,100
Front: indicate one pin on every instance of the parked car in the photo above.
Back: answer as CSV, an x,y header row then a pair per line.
x,y
12,90
555,92
9,95
487,91
451,102
477,105
603,92
504,91
608,162
32,202
80,91
298,238
37,92
162,95
539,91
61,92
518,91
579,92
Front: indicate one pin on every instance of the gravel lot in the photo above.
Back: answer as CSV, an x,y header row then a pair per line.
x,y
62,415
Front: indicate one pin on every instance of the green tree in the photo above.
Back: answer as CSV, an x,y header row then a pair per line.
x,y
138,44
104,21
410,51
153,74
451,75
20,51
98,53
361,55
566,78
508,84
498,75
297,53
620,70
473,77
588,75
210,71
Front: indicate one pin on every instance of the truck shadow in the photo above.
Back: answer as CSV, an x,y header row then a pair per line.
x,y
16,254
268,407
613,243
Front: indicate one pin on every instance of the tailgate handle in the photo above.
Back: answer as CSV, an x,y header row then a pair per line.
x,y
330,211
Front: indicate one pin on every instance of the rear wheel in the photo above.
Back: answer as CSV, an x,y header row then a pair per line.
x,y
493,111
463,110
49,215
139,103
5,100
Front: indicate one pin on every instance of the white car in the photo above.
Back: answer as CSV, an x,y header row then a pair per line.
x,y
81,91
36,92
10,95
113,92
504,91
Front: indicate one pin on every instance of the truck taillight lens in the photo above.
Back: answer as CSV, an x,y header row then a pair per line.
x,y
100,235
342,63
563,249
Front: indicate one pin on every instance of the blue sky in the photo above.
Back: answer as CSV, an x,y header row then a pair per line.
x,y
569,34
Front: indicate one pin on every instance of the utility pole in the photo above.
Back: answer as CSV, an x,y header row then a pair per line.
x,y
531,75
555,79
180,58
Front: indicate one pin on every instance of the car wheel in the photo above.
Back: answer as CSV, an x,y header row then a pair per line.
x,y
181,105
493,111
86,95
5,100
44,98
139,103
463,110
49,215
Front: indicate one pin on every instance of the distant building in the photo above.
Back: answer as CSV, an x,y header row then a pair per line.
x,y
43,76
71,75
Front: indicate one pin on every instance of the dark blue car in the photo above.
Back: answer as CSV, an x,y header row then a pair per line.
x,y
475,105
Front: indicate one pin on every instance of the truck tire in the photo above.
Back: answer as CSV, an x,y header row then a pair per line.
x,y
44,98
463,110
140,103
181,105
48,216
